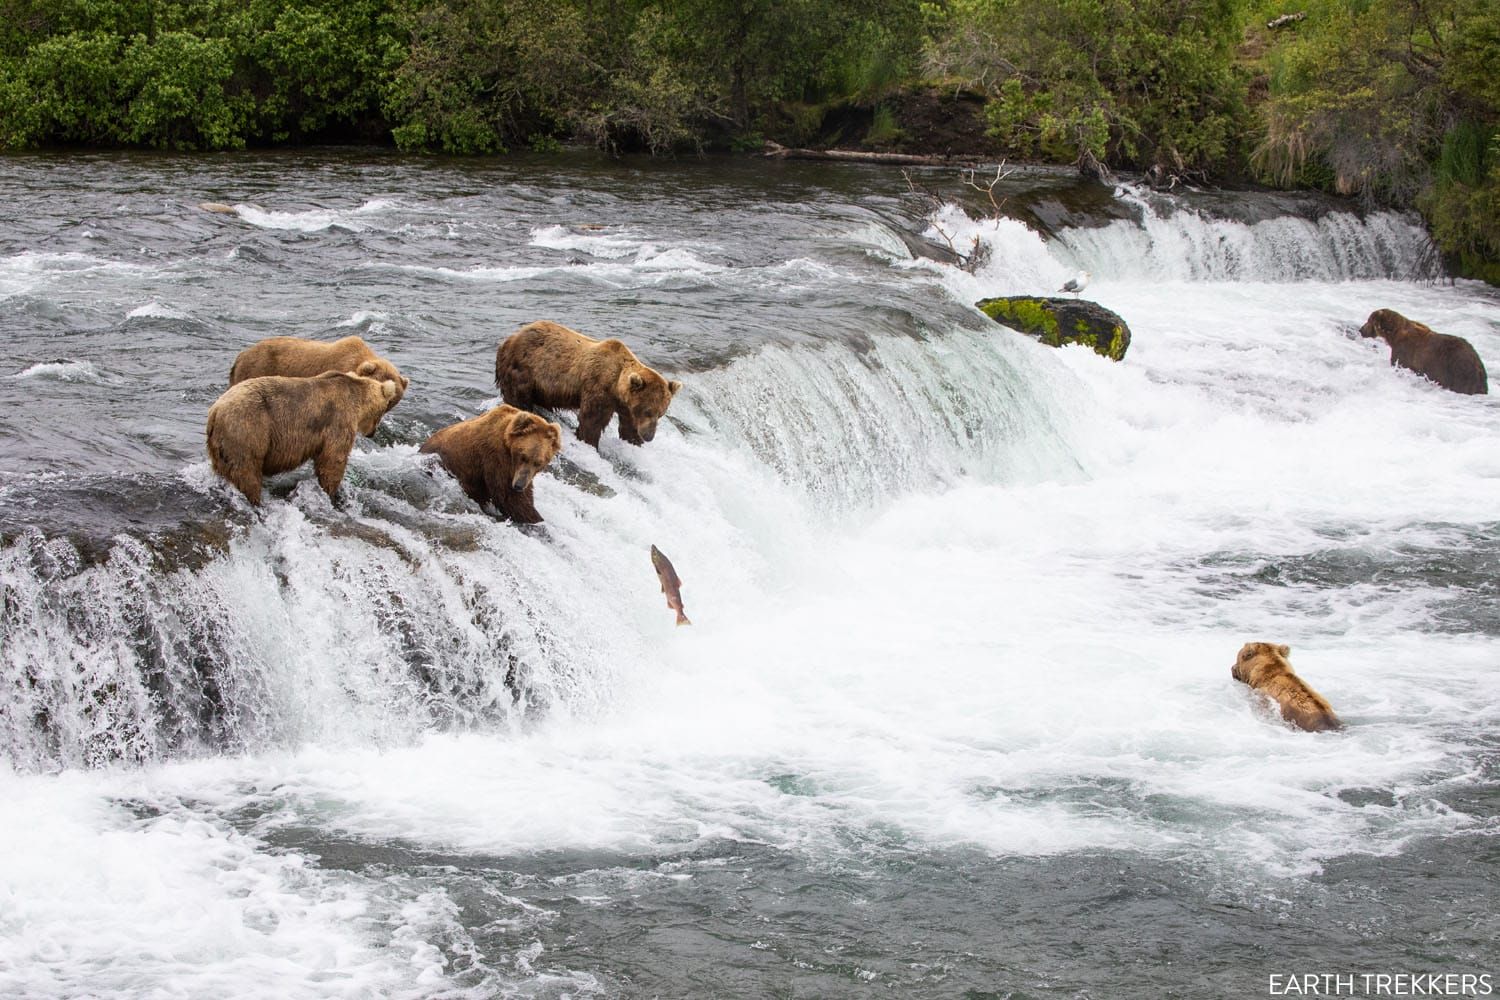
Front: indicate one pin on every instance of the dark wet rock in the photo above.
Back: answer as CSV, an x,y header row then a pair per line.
x,y
184,527
580,478
1057,321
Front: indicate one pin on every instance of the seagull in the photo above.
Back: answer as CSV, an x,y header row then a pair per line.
x,y
1076,284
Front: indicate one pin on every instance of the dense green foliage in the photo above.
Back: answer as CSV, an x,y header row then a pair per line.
x,y
200,74
462,76
1397,101
1136,83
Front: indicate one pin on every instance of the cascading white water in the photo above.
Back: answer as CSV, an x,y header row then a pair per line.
x,y
135,658
1174,242
396,618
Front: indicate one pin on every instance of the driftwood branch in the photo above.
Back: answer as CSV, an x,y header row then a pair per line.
x,y
776,151
978,252
989,187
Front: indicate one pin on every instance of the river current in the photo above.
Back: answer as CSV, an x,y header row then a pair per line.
x,y
955,715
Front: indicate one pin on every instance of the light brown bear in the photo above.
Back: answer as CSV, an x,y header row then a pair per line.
x,y
298,358
547,364
1265,668
496,456
1449,361
273,424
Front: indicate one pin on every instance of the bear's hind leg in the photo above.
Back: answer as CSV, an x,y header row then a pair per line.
x,y
245,477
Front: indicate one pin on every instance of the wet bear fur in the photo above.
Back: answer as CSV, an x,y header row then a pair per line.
x,y
547,364
1265,668
496,456
298,358
1449,361
273,424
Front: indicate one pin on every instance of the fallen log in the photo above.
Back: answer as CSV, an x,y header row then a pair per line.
x,y
776,151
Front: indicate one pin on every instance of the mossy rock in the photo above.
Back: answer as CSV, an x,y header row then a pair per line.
x,y
1058,321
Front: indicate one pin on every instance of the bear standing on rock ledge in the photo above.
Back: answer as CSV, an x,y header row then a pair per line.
x,y
547,364
273,424
496,456
1449,361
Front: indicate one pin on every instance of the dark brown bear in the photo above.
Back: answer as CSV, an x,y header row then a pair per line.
x,y
547,364
1265,668
1449,361
298,358
273,424
495,457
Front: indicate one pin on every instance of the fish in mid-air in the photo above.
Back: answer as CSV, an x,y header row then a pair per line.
x,y
1076,284
671,585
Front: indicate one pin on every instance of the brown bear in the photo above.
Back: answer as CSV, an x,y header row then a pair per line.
x,y
298,358
1265,668
1449,361
546,364
496,456
273,424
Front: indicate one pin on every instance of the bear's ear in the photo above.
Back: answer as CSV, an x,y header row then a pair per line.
x,y
405,383
1284,650
367,369
388,390
523,422
673,386
636,381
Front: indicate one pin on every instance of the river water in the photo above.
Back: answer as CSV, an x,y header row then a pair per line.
x,y
954,717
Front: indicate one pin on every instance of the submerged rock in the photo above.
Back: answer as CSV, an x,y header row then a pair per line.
x,y
1058,321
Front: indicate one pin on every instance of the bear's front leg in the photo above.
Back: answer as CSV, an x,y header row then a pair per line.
x,y
329,465
627,428
593,417
518,506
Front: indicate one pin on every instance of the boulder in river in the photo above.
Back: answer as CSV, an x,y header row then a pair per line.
x,y
1058,321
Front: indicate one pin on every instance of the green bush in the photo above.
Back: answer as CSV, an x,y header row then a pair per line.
x,y
1133,84
178,99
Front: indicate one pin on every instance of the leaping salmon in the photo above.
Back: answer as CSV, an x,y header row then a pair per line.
x,y
670,584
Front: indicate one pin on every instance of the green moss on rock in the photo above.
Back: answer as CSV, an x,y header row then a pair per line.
x,y
1058,321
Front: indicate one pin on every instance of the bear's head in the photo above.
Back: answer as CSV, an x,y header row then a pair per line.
x,y
382,370
647,396
533,443
1382,323
379,397
1252,653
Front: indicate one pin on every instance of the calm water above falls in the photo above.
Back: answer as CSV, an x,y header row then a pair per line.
x,y
955,715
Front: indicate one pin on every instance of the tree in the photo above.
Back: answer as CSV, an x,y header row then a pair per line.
x,y
1146,84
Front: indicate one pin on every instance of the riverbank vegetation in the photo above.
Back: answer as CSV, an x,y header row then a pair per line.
x,y
1394,101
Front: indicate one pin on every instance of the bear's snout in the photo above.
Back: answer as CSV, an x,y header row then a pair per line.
x,y
521,480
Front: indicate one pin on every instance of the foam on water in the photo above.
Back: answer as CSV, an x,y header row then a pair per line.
x,y
106,893
31,271
63,370
156,310
318,220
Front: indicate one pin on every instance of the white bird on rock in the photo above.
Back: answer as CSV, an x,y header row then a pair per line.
x,y
1076,284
